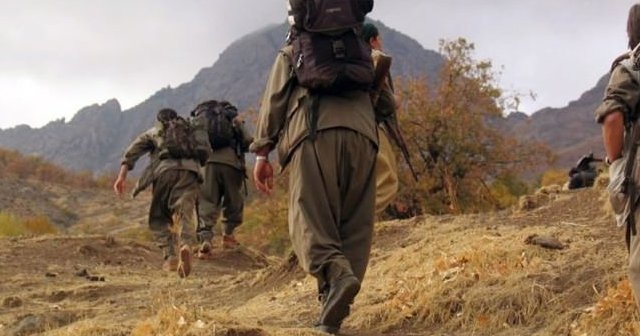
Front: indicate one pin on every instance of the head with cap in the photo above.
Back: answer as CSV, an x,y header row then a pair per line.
x,y
371,35
633,26
166,114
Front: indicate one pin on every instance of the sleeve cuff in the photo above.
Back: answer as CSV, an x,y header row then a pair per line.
x,y
259,144
128,164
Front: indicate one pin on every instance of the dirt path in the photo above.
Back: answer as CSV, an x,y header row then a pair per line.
x,y
61,280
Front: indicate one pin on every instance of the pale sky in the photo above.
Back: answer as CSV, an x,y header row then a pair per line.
x,y
57,56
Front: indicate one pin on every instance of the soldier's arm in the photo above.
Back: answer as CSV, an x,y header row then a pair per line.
x,y
621,97
142,145
271,119
613,134
273,109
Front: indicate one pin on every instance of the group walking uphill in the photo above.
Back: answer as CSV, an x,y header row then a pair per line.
x,y
329,111
196,166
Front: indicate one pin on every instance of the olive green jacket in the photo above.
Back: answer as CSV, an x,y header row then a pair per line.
x,y
622,93
283,117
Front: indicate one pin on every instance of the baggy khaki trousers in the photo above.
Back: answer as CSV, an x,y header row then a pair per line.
x,y
331,204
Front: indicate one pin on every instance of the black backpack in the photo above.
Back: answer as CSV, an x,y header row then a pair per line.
x,y
178,140
328,53
218,118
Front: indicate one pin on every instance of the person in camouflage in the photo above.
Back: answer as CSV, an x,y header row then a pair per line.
x,y
175,185
224,177
617,113
331,181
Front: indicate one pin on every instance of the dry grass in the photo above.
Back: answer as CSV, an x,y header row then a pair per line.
x,y
616,310
11,225
436,275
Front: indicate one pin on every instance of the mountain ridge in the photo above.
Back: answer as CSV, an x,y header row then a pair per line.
x,y
96,136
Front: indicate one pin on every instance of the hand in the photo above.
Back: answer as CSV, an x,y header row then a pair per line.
x,y
263,176
119,186
121,182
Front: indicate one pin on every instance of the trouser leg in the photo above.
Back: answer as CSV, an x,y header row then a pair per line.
x,y
233,199
208,203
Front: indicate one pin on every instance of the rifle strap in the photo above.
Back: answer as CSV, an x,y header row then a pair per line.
x,y
629,184
312,119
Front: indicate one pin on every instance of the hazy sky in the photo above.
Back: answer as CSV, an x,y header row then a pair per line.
x,y
57,56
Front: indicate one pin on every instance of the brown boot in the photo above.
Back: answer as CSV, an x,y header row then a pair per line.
x,y
205,251
170,264
184,266
229,242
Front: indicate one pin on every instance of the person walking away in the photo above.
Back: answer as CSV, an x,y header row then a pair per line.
x,y
176,152
322,124
224,174
384,102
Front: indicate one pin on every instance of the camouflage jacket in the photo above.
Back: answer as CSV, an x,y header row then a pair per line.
x,y
150,143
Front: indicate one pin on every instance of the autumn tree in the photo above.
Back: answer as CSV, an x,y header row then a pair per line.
x,y
451,129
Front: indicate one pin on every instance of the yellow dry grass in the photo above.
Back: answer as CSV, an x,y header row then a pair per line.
x,y
434,275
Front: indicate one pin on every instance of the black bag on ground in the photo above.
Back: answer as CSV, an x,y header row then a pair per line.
x,y
328,53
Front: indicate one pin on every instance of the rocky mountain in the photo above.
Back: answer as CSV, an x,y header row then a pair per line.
x,y
96,136
570,131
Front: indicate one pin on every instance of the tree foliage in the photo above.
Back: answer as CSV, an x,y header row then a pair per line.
x,y
451,129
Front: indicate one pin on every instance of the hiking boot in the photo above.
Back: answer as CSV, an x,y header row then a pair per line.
x,y
336,304
205,251
170,264
184,265
229,242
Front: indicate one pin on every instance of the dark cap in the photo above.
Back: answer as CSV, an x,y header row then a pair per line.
x,y
369,31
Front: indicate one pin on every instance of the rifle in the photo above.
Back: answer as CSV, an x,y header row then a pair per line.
x,y
382,70
628,186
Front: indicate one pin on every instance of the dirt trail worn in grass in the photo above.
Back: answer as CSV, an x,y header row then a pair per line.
x,y
446,275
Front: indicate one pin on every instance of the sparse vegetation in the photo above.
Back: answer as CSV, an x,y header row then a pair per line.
x,y
554,176
452,138
14,164
11,225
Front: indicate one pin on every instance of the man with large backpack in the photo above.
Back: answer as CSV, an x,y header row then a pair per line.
x,y
224,173
317,113
176,151
618,113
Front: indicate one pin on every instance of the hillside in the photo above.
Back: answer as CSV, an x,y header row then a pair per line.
x,y
432,275
570,131
96,136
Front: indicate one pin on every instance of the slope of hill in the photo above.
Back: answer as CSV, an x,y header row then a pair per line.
x,y
96,136
445,275
570,131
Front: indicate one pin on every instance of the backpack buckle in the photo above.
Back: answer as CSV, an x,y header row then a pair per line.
x,y
339,49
